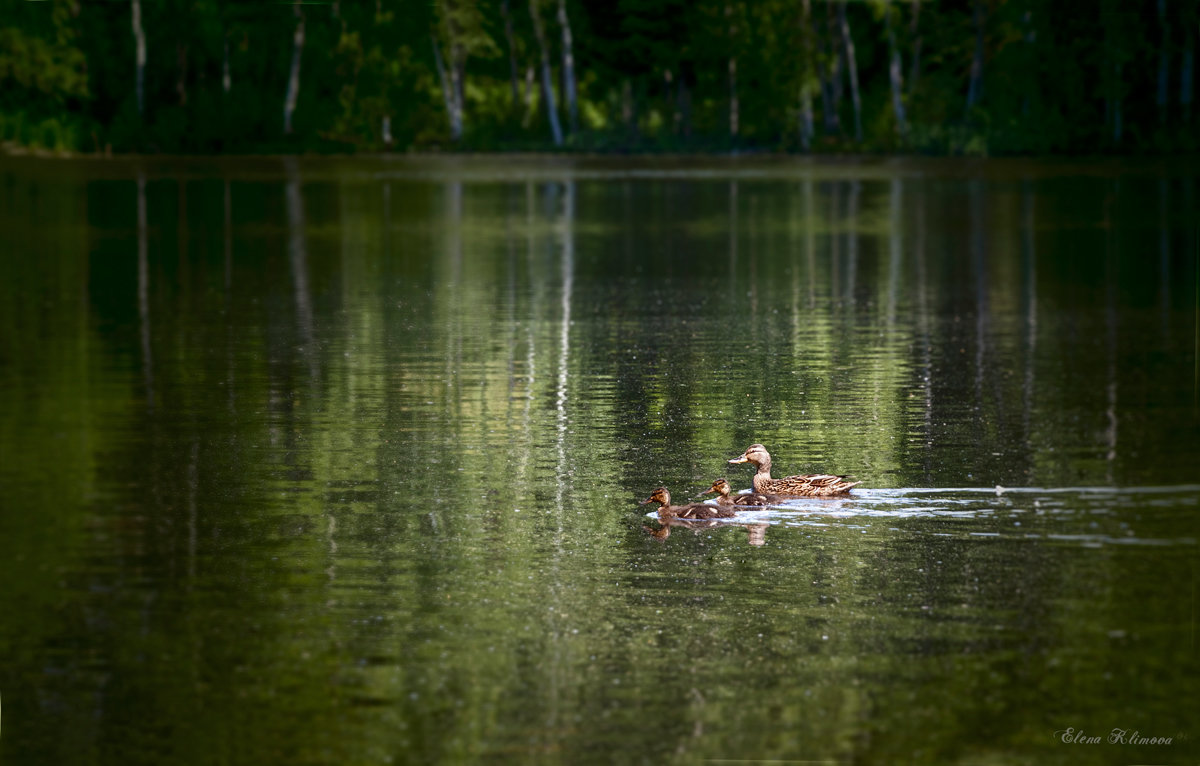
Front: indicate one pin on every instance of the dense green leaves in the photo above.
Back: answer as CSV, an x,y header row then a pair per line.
x,y
651,75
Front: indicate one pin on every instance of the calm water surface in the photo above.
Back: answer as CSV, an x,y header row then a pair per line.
x,y
337,461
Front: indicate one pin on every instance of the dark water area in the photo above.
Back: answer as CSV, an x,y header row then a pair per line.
x,y
337,461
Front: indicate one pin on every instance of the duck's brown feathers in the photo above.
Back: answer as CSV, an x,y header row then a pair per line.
x,y
689,511
725,498
804,485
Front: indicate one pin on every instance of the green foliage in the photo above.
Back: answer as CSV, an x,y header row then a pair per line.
x,y
51,70
651,75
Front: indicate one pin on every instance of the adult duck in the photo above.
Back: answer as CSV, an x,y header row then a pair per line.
x,y
689,511
804,485
726,498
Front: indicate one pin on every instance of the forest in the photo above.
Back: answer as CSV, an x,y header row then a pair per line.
x,y
952,77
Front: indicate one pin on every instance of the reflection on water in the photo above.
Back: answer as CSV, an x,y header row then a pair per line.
x,y
315,461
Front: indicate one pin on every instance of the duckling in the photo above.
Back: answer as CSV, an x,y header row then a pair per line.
x,y
804,485
724,498
689,511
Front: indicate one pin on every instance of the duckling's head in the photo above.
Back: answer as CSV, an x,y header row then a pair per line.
x,y
720,486
755,453
660,496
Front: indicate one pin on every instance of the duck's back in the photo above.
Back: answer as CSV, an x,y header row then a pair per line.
x,y
805,485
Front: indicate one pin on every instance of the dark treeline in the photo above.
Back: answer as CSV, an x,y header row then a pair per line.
x,y
954,76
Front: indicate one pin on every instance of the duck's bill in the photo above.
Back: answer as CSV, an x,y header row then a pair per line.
x,y
740,459
647,500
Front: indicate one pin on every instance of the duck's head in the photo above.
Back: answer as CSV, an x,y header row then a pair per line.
x,y
720,486
660,496
755,453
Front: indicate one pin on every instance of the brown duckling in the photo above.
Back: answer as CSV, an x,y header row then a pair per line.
x,y
804,485
689,511
724,496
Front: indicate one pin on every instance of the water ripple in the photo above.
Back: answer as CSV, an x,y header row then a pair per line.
x,y
1086,516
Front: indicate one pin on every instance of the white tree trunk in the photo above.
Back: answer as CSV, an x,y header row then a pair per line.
x,y
894,75
628,115
734,113
806,115
547,78
806,82
455,67
568,73
453,113
226,80
293,89
852,68
139,43
530,78
458,76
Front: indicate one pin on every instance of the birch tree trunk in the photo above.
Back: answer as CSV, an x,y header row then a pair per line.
x,y
806,82
733,90
139,43
975,86
293,89
568,73
455,66
894,75
547,79
733,99
514,77
852,68
452,112
806,115
530,78
458,76
226,80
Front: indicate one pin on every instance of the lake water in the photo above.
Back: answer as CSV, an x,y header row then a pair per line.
x,y
337,461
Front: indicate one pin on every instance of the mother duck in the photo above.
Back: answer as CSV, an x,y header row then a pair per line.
x,y
804,485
